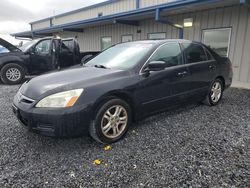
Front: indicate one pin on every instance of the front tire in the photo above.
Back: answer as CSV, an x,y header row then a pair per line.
x,y
12,73
111,121
215,93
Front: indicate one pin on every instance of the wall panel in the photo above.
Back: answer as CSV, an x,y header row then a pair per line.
x,y
236,17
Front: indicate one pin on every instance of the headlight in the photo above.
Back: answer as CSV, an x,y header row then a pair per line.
x,y
60,100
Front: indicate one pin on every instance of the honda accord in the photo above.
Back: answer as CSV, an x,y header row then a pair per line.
x,y
125,83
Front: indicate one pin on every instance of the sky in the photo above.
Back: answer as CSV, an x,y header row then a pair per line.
x,y
15,15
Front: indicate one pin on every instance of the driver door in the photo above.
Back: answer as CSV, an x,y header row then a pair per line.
x,y
158,89
40,57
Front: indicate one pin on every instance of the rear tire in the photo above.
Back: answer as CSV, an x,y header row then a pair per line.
x,y
111,122
12,73
215,93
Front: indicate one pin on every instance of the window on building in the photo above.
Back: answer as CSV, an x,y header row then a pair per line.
x,y
218,40
106,42
127,38
170,54
156,36
194,53
3,49
43,47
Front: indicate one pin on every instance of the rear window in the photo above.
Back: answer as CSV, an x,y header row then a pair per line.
x,y
194,53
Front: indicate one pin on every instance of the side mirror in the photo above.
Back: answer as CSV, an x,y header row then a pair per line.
x,y
86,58
29,52
156,66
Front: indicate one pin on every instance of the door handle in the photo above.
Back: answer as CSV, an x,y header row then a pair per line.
x,y
182,73
213,67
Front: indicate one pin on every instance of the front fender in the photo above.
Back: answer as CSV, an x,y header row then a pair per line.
x,y
12,59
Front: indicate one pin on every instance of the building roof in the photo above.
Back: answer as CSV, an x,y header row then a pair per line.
x,y
129,16
77,10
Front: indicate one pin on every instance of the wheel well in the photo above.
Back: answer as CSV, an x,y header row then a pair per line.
x,y
14,62
222,79
112,95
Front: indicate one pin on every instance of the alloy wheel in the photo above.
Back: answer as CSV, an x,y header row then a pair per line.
x,y
114,121
216,92
13,74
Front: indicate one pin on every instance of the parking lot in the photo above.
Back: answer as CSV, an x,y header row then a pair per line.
x,y
196,146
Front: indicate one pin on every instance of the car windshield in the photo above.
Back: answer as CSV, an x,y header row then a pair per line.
x,y
122,56
26,46
3,49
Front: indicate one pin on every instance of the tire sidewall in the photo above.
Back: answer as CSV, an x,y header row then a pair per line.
x,y
5,80
99,115
210,93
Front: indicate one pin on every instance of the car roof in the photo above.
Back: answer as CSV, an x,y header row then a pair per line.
x,y
159,42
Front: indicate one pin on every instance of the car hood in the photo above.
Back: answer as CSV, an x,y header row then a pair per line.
x,y
9,46
66,80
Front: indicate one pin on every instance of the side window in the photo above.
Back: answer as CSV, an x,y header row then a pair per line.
x,y
3,49
194,53
68,45
170,54
43,47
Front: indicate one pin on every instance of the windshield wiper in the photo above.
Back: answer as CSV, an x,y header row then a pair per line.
x,y
100,66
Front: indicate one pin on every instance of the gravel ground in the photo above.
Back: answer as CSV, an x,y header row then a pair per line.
x,y
195,146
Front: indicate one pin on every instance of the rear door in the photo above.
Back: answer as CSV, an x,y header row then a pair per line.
x,y
202,68
67,58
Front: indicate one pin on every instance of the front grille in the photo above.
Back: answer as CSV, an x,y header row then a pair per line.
x,y
24,99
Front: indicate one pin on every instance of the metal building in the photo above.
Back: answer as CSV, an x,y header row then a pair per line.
x,y
224,25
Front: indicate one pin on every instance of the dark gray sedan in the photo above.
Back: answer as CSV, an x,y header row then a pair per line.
x,y
124,83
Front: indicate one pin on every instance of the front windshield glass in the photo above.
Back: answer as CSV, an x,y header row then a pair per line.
x,y
121,56
27,45
3,49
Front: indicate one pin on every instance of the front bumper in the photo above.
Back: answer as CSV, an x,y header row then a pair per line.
x,y
69,122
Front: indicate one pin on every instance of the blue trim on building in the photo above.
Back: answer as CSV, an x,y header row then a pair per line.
x,y
167,6
181,33
159,19
139,11
126,22
50,22
138,2
157,14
